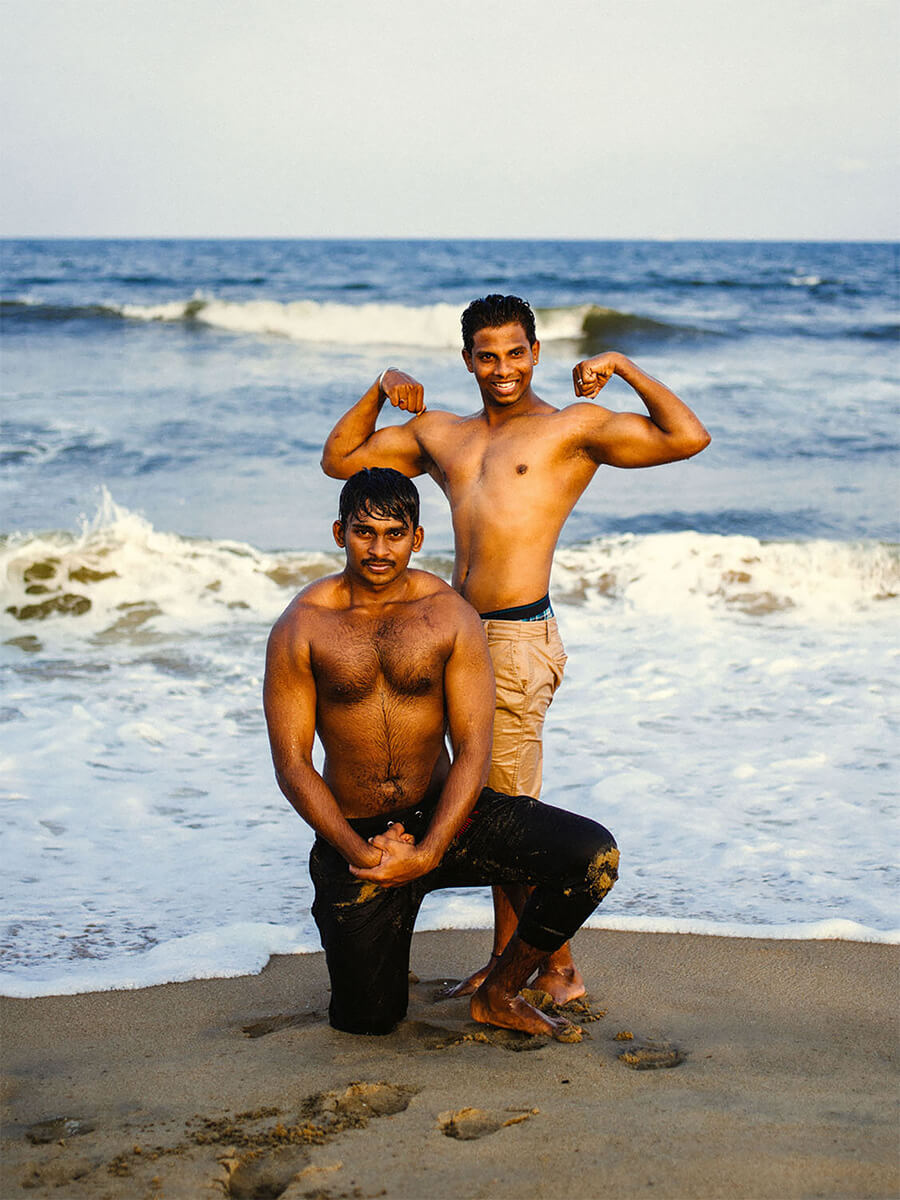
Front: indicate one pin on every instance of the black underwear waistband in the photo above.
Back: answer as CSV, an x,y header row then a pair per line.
x,y
418,815
539,610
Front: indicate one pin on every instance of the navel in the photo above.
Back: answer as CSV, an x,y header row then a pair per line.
x,y
521,468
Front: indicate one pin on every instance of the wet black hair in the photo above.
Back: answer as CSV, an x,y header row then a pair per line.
x,y
379,492
490,312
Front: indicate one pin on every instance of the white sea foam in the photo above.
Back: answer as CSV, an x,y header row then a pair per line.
x,y
222,953
136,579
675,572
124,577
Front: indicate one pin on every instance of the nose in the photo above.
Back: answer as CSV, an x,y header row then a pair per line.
x,y
380,547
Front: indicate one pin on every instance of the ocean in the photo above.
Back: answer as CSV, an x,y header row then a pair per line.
x,y
730,706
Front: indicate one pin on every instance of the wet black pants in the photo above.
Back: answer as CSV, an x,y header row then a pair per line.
x,y
366,930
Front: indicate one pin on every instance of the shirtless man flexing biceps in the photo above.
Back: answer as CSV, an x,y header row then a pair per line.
x,y
380,661
512,472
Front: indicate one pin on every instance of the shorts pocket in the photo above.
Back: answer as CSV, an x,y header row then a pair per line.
x,y
510,668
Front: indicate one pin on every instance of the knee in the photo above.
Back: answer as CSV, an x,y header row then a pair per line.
x,y
602,867
603,871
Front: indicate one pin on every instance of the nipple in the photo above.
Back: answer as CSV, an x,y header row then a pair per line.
x,y
521,468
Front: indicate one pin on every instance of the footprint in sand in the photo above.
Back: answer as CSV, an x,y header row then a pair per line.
x,y
422,1035
268,1161
57,1128
280,1021
361,1101
269,1176
466,1124
649,1055
56,1173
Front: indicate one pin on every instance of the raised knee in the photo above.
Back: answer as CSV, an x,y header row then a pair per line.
x,y
603,871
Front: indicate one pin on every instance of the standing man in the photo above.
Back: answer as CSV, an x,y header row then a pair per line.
x,y
512,473
380,661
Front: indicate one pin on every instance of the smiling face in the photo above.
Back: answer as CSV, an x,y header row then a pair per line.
x,y
502,361
378,549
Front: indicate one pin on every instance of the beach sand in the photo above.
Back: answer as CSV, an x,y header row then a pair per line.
x,y
784,1083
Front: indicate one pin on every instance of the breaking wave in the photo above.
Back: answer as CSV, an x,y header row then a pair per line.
x,y
120,579
431,325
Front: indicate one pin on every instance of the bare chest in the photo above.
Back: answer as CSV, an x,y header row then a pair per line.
x,y
359,659
520,473
493,461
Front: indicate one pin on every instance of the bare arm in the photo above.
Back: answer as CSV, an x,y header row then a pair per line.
x,y
289,698
469,696
669,433
354,442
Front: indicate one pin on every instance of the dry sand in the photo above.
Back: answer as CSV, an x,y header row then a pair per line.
x,y
239,1087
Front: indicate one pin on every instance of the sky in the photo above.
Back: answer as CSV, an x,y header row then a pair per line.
x,y
426,118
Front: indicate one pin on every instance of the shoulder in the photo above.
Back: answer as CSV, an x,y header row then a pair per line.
x,y
306,611
446,603
580,427
436,417
449,612
433,423
429,587
583,414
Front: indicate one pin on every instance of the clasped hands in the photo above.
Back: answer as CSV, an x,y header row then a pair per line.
x,y
401,859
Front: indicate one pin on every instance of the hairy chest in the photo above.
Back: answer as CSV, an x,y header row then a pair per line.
x,y
358,660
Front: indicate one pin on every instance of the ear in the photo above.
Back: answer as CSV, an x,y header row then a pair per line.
x,y
338,530
535,352
418,539
467,359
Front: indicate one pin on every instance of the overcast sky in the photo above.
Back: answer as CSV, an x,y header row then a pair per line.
x,y
471,118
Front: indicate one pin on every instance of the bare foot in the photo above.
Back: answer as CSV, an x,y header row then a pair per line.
x,y
468,986
563,983
492,1006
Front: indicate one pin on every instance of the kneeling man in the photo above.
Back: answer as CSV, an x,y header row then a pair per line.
x,y
380,661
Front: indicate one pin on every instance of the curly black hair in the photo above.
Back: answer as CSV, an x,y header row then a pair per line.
x,y
490,312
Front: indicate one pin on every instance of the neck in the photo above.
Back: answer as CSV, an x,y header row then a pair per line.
x,y
498,414
363,593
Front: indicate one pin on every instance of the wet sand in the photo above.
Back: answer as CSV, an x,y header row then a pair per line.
x,y
754,1069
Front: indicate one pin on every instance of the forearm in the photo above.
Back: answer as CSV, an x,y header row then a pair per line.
x,y
352,432
313,800
462,787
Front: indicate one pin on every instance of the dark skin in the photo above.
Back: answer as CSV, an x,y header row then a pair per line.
x,y
380,661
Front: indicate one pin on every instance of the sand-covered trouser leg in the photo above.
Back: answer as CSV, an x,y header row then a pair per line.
x,y
569,860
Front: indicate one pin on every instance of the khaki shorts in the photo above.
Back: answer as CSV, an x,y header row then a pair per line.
x,y
529,659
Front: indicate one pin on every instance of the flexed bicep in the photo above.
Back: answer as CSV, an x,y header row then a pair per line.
x,y
354,443
668,433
